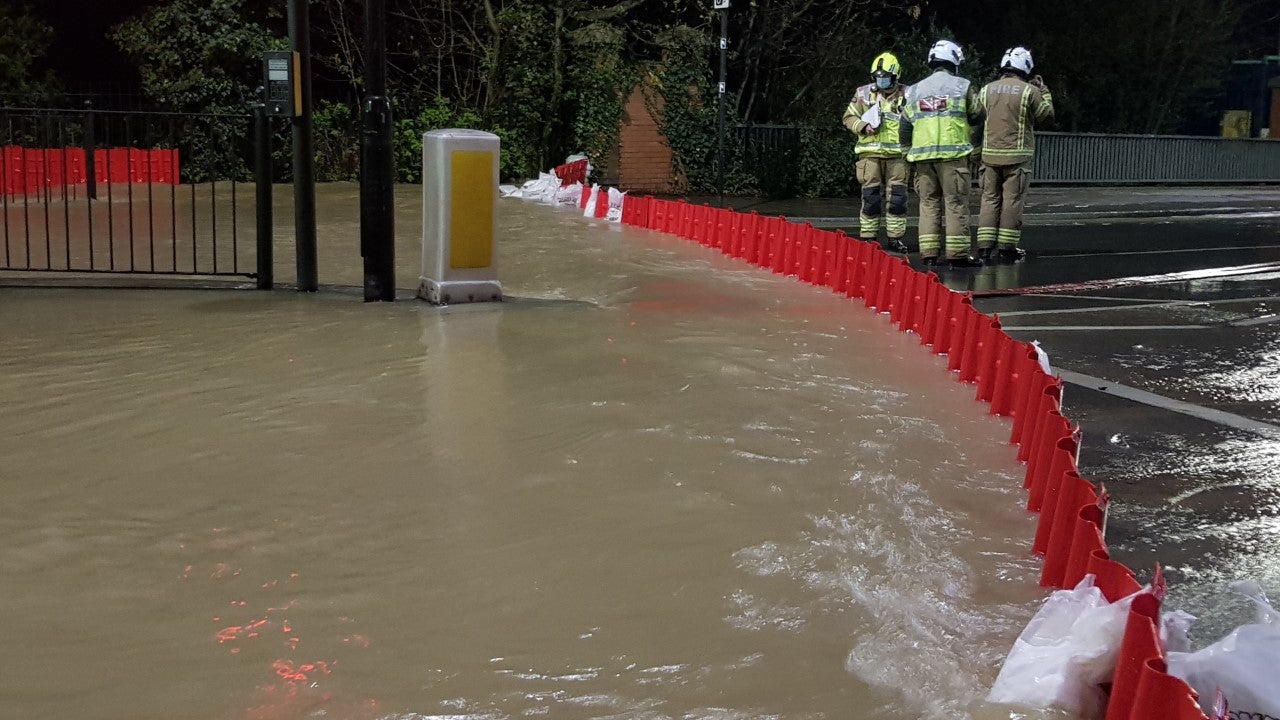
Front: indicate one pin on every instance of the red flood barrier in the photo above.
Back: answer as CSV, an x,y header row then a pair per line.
x,y
1006,373
570,173
35,171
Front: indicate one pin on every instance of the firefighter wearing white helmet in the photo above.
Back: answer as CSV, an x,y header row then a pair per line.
x,y
874,115
1014,105
936,123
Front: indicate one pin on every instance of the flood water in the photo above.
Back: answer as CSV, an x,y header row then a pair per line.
x,y
652,484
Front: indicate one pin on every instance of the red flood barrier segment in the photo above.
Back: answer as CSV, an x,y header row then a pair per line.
x,y
1007,374
570,173
32,171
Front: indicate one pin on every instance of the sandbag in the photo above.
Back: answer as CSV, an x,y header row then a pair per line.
x,y
1065,653
616,199
1245,664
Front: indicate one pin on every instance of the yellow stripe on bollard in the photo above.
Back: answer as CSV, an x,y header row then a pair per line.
x,y
471,210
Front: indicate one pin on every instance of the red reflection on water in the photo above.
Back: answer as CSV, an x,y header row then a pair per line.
x,y
286,670
294,692
356,640
251,630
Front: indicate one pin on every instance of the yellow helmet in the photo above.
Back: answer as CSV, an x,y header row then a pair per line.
x,y
887,63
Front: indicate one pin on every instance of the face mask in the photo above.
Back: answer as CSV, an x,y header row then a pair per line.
x,y
884,82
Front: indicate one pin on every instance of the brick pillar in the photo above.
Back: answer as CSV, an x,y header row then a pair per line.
x,y
644,159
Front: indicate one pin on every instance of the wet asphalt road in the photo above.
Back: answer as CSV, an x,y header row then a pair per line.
x,y
1161,306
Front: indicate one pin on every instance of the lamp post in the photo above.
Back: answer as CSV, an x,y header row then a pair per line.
x,y
723,7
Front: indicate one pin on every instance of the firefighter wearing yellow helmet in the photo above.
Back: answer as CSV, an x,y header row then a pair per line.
x,y
874,115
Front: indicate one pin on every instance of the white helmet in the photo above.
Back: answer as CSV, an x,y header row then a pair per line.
x,y
1018,59
946,51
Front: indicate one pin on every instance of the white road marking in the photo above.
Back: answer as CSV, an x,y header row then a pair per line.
x,y
1082,328
1220,417
1162,252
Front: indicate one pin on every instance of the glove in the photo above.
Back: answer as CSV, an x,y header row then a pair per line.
x,y
1039,82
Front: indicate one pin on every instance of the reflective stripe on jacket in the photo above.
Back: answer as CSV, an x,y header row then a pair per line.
x,y
937,114
1013,107
885,142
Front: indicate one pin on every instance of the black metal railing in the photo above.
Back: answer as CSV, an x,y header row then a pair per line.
x,y
92,191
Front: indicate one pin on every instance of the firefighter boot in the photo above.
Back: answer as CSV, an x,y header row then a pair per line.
x,y
1011,254
964,261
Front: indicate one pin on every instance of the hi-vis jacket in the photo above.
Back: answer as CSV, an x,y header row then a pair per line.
x,y
1013,107
936,118
885,142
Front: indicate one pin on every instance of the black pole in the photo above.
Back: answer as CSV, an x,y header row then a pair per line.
x,y
262,180
304,185
377,211
724,69
90,167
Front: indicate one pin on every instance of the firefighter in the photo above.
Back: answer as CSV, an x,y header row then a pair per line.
x,y
873,115
935,128
1013,105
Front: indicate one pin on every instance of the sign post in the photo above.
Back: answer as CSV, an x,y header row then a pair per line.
x,y
377,171
304,184
723,7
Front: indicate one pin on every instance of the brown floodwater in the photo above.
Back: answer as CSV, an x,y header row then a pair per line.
x,y
653,483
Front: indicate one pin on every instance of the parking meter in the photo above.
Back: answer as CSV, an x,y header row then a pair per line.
x,y
284,92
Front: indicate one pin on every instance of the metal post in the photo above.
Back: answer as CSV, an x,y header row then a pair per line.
x,y
377,211
262,181
90,167
304,185
724,68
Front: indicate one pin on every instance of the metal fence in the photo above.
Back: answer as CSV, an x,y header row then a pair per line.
x,y
1087,158
788,153
89,191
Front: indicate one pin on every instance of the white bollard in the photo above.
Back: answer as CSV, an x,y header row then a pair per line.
x,y
459,208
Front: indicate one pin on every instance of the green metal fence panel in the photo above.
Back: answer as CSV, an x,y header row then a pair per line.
x,y
775,153
1093,159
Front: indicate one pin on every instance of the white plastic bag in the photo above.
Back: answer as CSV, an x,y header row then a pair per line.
x,y
1065,653
616,199
590,209
1043,357
1175,631
1245,663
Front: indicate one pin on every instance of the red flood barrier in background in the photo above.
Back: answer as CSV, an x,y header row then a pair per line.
x,y
1007,374
570,173
33,171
